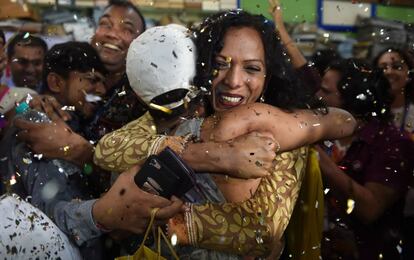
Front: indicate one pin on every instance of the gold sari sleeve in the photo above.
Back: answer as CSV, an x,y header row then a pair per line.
x,y
132,144
251,227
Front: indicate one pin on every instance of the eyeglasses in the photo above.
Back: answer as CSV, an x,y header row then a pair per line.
x,y
26,62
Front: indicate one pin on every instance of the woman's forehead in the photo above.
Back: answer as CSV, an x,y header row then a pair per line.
x,y
243,41
392,55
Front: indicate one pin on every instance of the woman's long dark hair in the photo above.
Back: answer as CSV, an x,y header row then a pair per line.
x,y
282,86
409,60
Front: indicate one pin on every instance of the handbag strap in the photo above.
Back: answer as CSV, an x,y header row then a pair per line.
x,y
160,233
153,212
167,241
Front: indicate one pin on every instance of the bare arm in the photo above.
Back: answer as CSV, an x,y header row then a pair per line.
x,y
371,199
297,58
55,140
133,143
306,126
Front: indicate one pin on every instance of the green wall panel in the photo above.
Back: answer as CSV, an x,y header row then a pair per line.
x,y
293,10
305,10
403,14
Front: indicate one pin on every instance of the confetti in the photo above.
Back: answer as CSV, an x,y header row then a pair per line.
x,y
38,156
122,93
68,108
361,97
350,204
13,180
174,239
66,149
27,160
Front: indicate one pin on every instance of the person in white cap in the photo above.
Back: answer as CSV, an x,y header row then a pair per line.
x,y
163,80
27,233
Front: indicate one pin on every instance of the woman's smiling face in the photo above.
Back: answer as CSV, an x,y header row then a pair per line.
x,y
396,71
241,69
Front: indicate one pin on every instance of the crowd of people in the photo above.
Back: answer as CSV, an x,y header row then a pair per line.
x,y
293,159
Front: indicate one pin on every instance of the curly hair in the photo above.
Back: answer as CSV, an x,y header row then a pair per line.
x,y
282,87
409,60
365,92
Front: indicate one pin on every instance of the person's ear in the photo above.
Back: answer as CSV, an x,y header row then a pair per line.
x,y
55,82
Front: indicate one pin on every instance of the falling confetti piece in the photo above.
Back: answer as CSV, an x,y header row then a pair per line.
x,y
38,156
326,191
174,239
66,149
399,249
350,206
361,97
122,93
27,160
13,180
68,108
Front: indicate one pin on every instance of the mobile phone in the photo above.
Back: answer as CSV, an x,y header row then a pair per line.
x,y
184,172
156,178
165,174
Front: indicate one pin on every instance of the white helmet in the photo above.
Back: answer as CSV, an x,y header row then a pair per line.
x,y
161,60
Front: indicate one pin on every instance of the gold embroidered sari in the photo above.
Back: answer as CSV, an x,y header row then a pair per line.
x,y
251,227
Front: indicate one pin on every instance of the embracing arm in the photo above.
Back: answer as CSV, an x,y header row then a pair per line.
x,y
376,195
133,143
307,126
